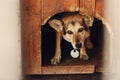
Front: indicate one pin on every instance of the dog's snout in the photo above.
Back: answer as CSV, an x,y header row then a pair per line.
x,y
78,45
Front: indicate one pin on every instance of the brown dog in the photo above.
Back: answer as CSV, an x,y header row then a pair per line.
x,y
74,29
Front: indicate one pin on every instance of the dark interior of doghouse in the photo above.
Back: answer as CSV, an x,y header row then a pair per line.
x,y
48,45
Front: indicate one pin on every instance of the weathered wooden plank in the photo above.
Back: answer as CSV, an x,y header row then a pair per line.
x,y
30,12
100,7
87,7
49,8
81,69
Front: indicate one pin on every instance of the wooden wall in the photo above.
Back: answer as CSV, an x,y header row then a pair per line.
x,y
31,35
34,13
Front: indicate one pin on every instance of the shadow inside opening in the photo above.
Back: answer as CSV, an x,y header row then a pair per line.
x,y
48,45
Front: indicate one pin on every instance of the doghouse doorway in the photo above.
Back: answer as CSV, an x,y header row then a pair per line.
x,y
48,45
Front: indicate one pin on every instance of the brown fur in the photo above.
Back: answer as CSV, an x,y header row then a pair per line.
x,y
74,29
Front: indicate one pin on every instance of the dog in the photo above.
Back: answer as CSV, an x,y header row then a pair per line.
x,y
73,28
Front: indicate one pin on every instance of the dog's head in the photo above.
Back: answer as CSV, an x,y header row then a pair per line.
x,y
73,28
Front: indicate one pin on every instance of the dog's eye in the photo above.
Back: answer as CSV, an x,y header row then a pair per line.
x,y
81,29
69,32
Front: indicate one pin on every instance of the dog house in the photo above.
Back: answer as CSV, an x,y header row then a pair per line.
x,y
38,45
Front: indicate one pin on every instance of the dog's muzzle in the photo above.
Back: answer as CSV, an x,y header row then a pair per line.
x,y
78,45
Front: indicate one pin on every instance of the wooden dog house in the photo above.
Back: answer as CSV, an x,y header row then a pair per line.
x,y
37,13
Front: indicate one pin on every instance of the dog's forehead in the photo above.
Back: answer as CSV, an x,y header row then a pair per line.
x,y
74,25
72,19
73,22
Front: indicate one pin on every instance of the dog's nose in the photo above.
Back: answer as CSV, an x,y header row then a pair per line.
x,y
78,45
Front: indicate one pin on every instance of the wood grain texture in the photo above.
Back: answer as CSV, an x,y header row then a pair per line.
x,y
50,8
87,7
34,14
30,12
100,7
81,69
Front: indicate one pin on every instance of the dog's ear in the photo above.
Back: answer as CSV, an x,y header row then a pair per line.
x,y
56,24
88,20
